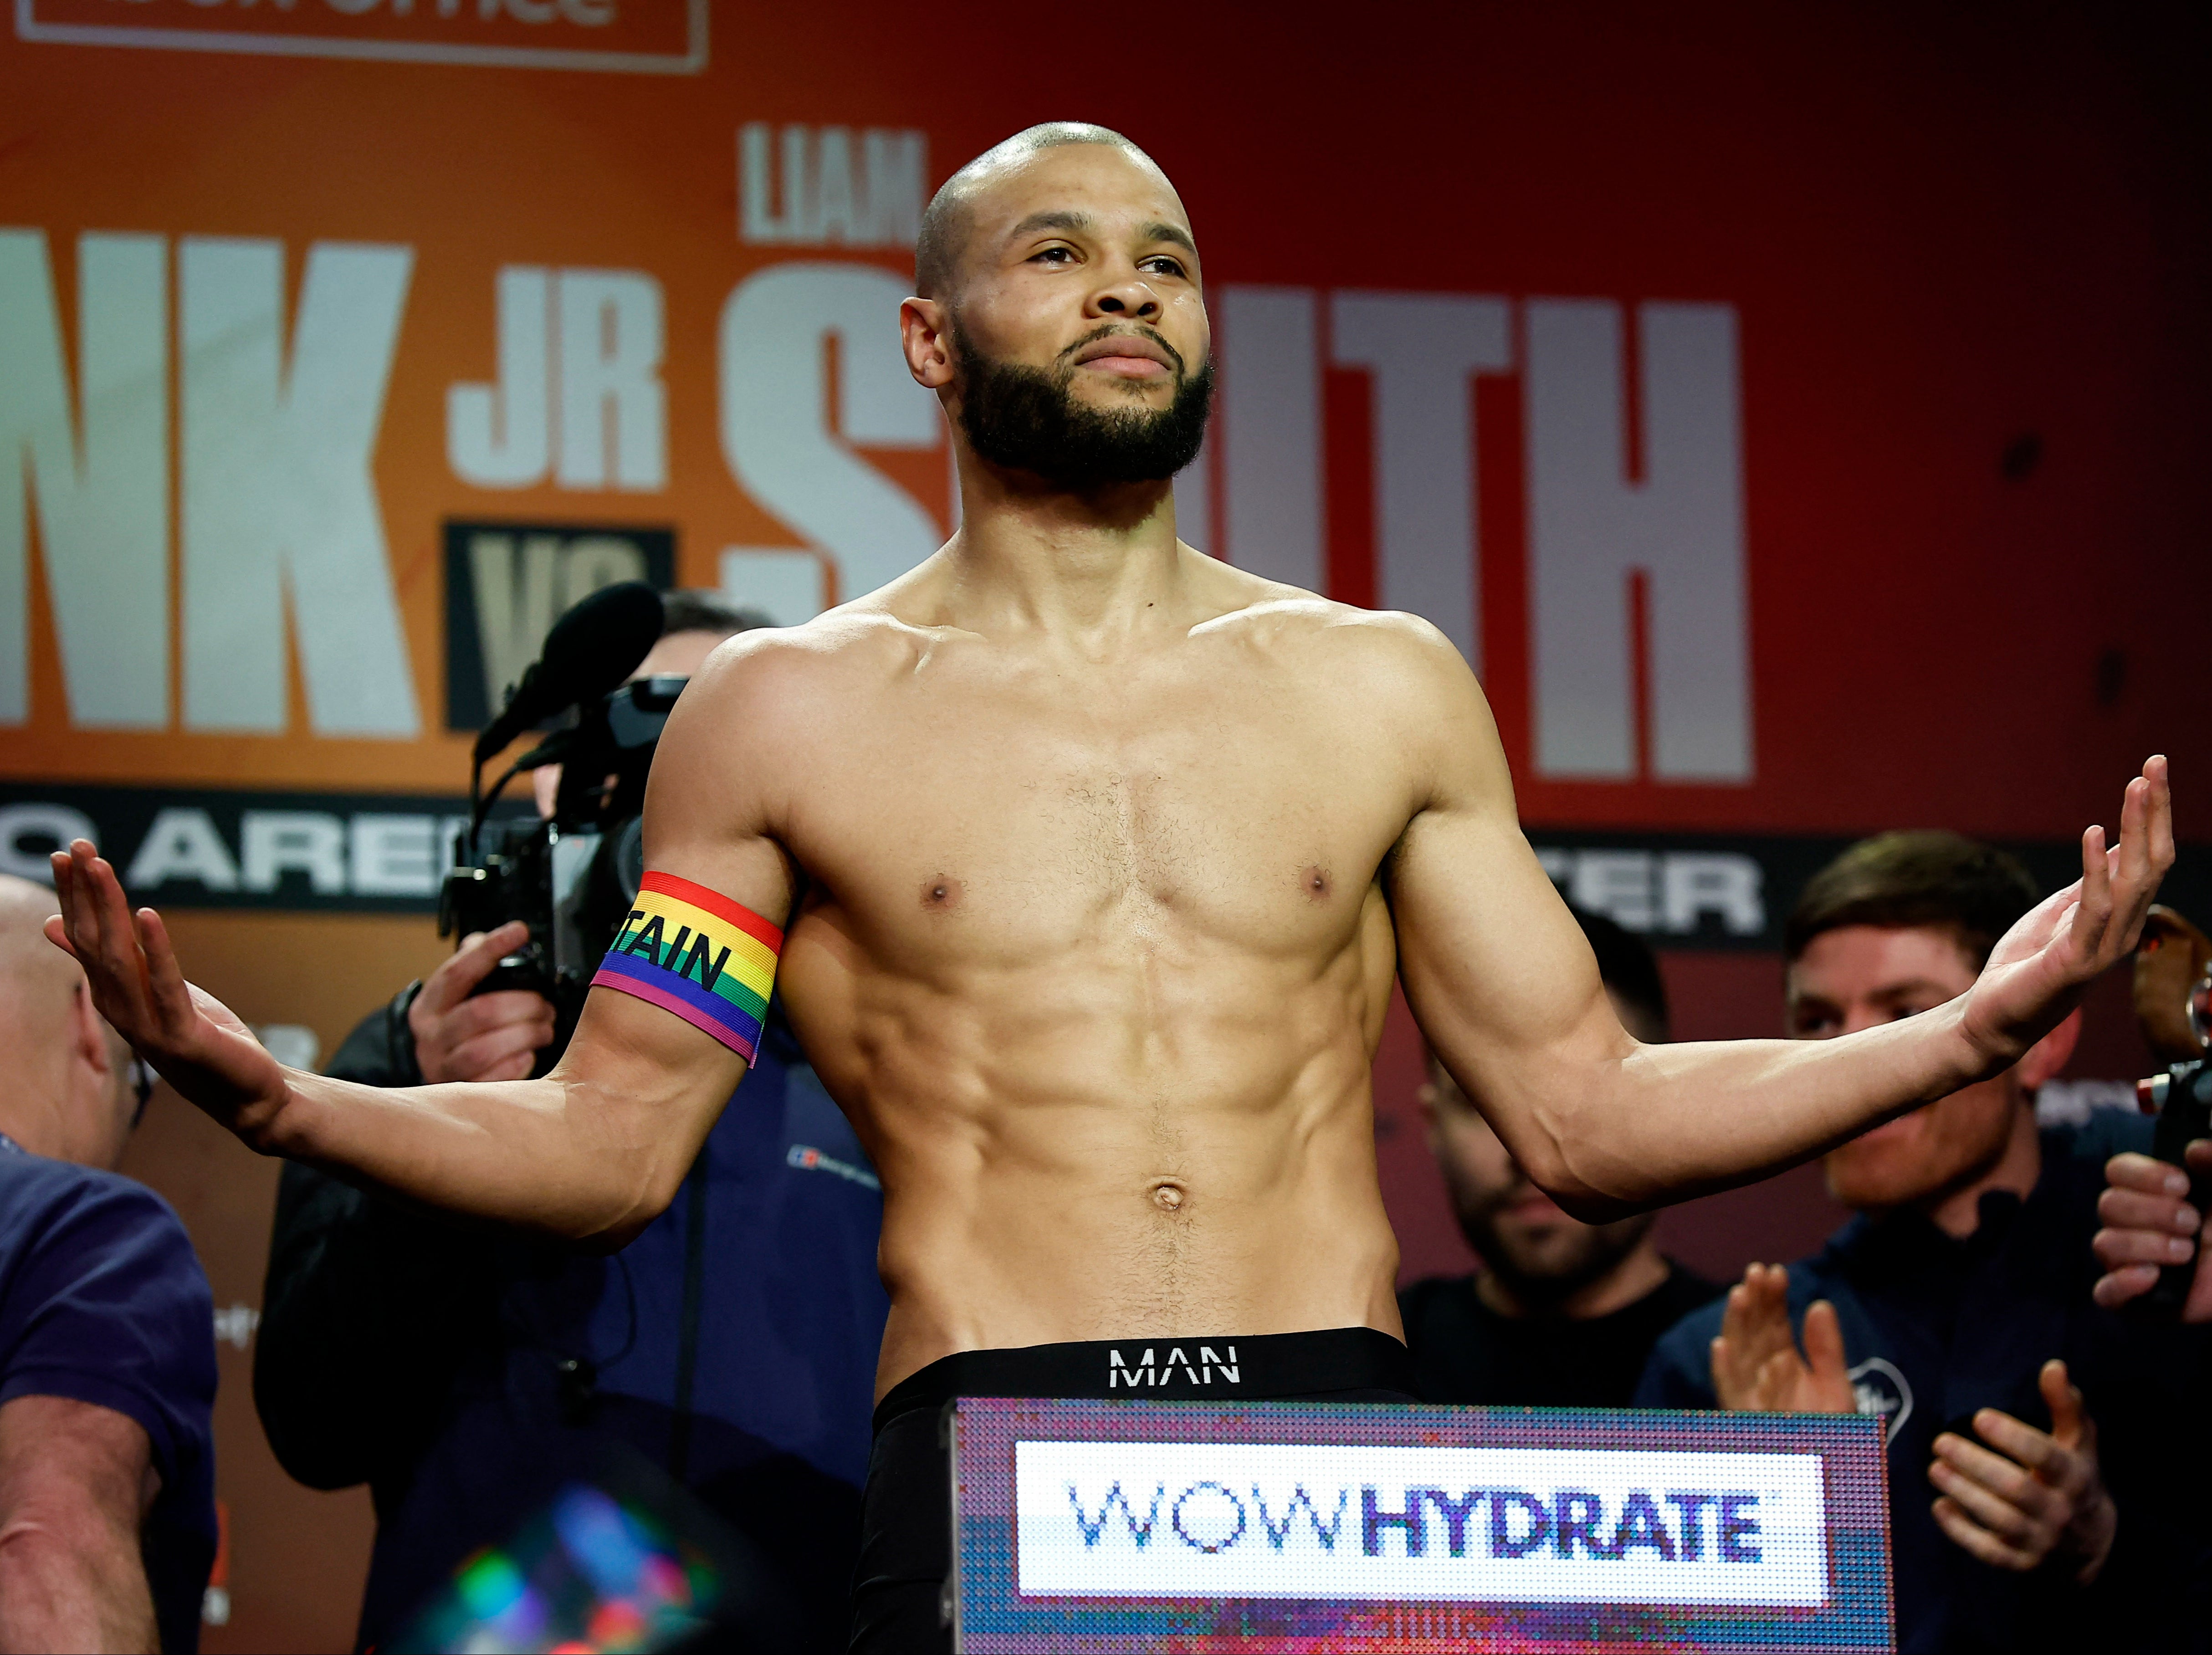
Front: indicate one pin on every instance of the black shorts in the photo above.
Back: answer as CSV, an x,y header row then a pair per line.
x,y
899,1606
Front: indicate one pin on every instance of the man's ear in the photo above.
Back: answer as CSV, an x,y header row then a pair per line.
x,y
923,325
88,1035
2051,1053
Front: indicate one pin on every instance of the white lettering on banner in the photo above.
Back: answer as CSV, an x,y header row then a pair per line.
x,y
1268,344
103,504
677,46
775,414
395,856
1671,890
786,585
183,844
611,351
500,436
608,354
519,590
279,499
1422,351
304,841
46,827
1193,501
833,194
1144,1519
1682,526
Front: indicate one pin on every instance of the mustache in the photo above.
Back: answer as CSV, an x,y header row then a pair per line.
x,y
1136,330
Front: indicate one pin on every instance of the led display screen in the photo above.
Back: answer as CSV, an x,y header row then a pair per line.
x,y
1307,1527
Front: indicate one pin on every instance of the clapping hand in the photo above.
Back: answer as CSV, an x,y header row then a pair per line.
x,y
1756,1364
2029,1496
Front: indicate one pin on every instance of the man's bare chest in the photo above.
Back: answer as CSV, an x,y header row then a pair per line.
x,y
1018,828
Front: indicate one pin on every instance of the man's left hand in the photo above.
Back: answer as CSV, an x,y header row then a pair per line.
x,y
2039,970
2030,1496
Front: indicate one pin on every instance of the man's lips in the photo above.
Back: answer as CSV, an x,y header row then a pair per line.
x,y
1126,353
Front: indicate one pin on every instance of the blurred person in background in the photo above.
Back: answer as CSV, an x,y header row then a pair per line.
x,y
107,1521
467,1372
2040,1496
1563,1314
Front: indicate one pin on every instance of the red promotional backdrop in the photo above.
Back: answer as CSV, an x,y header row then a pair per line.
x,y
1797,415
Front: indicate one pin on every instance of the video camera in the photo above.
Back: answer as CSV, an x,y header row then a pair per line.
x,y
2173,1008
573,876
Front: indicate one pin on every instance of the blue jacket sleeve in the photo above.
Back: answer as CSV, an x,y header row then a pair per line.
x,y
1679,1372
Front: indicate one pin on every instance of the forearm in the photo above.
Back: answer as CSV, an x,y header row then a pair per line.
x,y
72,1585
562,1153
1633,1126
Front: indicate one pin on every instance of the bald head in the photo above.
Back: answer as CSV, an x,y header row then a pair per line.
x,y
31,968
68,1094
950,216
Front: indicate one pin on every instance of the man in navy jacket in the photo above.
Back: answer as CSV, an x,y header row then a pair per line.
x,y
2043,1489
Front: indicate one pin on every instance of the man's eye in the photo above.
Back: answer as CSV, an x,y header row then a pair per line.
x,y
1053,255
1166,265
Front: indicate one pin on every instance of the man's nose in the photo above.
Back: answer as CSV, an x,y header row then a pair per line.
x,y
1131,296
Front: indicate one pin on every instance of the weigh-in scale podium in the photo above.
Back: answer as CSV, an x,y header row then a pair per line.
x,y
1297,1527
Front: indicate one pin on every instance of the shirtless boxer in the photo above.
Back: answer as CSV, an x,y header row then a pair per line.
x,y
1096,858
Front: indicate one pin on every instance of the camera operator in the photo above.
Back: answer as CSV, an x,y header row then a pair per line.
x,y
466,1372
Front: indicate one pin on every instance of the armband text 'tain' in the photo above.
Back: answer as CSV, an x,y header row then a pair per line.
x,y
694,952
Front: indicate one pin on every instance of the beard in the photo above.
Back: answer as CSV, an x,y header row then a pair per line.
x,y
1025,419
1544,1265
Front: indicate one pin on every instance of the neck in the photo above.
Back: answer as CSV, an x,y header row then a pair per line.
x,y
1086,567
1639,1271
36,1127
1957,1211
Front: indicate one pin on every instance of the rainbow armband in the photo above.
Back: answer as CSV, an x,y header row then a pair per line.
x,y
694,952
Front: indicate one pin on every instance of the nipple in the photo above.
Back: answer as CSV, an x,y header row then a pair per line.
x,y
1314,880
940,891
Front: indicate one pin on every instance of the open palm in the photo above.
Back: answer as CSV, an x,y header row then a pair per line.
x,y
197,1043
2038,972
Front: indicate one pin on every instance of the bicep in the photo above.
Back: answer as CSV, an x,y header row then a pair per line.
x,y
1497,972
674,1016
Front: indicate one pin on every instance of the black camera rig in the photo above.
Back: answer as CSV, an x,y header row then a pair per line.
x,y
573,876
2173,1008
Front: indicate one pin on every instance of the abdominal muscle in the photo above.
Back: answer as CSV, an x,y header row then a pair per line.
x,y
1104,1146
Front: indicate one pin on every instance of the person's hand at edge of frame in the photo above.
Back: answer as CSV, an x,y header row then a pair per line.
x,y
2040,968
461,1035
194,1041
2029,1497
1756,1365
2149,1223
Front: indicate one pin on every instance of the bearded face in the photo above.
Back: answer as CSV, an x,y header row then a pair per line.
x,y
1027,419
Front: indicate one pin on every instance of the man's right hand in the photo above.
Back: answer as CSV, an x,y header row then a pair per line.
x,y
196,1043
490,1037
2149,1223
1756,1365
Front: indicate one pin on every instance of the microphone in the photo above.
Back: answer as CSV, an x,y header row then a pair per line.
x,y
590,650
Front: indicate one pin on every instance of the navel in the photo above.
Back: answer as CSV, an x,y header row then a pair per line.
x,y
940,892
1315,883
1168,1196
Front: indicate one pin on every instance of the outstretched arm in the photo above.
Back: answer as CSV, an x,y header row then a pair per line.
x,y
596,1148
1501,981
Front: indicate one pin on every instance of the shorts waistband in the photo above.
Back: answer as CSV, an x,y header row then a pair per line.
x,y
1223,1367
